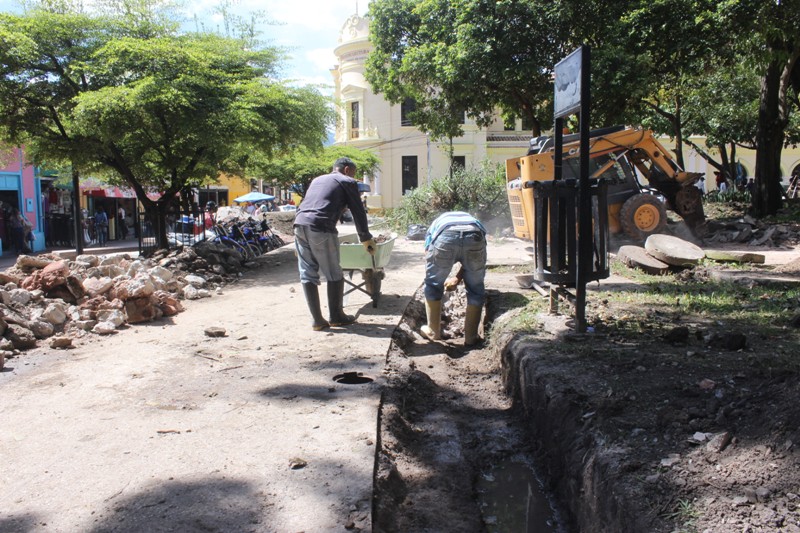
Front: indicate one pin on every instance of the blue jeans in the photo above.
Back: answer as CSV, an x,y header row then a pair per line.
x,y
317,251
451,247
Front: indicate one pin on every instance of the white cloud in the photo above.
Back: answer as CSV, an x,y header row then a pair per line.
x,y
309,29
321,58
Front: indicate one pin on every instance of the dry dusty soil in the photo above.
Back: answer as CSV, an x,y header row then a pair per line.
x,y
661,419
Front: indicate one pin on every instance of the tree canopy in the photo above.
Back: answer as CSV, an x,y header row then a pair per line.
x,y
151,108
296,169
657,63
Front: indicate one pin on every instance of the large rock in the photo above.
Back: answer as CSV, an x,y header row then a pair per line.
x,y
139,287
140,310
104,328
96,286
32,262
74,286
197,281
114,316
55,313
168,303
42,329
19,297
637,257
53,275
88,260
21,337
7,277
673,251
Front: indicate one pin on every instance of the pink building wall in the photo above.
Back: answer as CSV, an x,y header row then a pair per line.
x,y
15,173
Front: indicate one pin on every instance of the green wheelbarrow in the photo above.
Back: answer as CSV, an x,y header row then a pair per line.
x,y
354,257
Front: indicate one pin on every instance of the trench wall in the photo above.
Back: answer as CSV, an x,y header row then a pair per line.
x,y
579,468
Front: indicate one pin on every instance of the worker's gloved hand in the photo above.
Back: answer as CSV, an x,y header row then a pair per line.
x,y
370,246
451,283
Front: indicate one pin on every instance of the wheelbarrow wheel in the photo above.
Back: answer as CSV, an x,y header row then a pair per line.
x,y
376,289
372,284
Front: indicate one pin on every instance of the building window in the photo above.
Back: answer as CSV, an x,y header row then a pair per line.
x,y
354,122
463,118
410,182
510,125
406,108
459,161
527,124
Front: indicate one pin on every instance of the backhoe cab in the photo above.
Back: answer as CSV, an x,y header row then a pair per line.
x,y
620,155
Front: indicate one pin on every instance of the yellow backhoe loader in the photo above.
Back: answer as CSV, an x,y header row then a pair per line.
x,y
620,155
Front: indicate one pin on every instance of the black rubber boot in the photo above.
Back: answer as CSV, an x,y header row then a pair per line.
x,y
312,299
335,304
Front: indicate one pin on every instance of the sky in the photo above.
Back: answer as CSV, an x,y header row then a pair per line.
x,y
309,28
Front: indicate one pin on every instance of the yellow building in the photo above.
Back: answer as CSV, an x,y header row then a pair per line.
x,y
790,161
408,157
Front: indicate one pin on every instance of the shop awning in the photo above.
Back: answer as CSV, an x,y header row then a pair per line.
x,y
95,189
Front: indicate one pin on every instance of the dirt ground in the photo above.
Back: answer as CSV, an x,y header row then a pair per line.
x,y
655,421
160,427
636,427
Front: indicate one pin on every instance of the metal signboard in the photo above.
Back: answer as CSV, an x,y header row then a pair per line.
x,y
568,84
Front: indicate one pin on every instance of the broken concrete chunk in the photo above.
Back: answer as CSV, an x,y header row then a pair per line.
x,y
215,331
103,328
671,460
735,257
61,342
719,442
197,281
21,337
637,257
673,251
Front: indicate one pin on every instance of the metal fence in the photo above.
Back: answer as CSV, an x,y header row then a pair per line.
x,y
182,228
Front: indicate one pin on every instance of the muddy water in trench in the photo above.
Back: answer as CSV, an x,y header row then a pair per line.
x,y
512,498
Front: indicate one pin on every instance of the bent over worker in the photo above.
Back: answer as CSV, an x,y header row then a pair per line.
x,y
454,237
317,240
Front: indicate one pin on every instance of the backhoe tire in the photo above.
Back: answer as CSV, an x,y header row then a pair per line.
x,y
643,215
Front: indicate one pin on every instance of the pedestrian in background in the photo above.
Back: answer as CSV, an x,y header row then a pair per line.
x,y
122,225
101,225
455,237
317,240
17,226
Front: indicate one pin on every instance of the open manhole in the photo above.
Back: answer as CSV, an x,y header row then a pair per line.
x,y
352,378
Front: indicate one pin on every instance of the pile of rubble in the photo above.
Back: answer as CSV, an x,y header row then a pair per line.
x,y
753,232
48,297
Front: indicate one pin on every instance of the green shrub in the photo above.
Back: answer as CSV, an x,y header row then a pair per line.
x,y
729,196
480,191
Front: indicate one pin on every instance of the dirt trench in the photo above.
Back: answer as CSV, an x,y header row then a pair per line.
x,y
445,423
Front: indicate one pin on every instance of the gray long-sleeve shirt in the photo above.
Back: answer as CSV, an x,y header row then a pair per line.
x,y
326,199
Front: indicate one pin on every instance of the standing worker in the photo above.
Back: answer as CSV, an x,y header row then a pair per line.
x,y
317,241
455,237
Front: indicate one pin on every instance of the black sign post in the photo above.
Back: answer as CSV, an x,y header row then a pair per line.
x,y
572,96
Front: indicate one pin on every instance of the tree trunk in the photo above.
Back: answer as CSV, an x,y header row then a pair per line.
x,y
677,129
76,210
769,143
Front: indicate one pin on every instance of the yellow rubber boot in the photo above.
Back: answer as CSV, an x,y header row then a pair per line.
x,y
433,329
471,323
